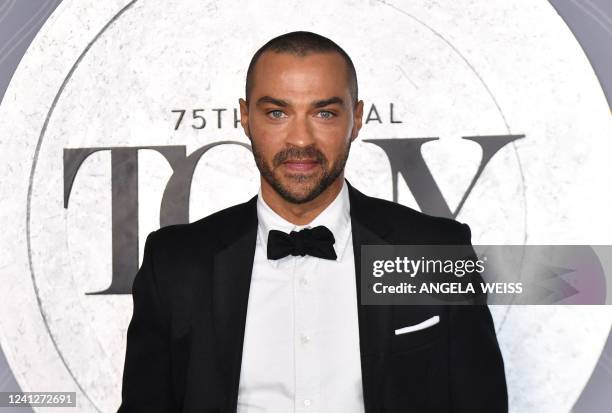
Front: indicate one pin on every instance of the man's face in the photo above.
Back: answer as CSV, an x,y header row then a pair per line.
x,y
301,121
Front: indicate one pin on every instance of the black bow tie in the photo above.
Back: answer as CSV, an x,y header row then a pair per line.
x,y
317,242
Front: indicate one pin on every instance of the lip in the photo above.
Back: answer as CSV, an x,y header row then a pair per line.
x,y
301,165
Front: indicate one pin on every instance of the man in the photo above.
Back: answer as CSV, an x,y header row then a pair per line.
x,y
255,308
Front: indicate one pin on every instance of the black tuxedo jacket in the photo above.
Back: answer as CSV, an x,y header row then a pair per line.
x,y
185,338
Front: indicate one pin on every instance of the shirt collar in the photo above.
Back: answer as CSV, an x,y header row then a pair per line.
x,y
336,217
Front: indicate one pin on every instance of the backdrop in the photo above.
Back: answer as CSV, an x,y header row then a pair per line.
x,y
122,116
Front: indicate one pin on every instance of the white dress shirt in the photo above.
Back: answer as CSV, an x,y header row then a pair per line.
x,y
301,343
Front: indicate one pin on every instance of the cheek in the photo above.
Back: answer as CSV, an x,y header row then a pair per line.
x,y
267,135
333,141
267,146
337,131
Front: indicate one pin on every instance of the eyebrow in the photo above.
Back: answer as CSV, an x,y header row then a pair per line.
x,y
326,102
274,101
317,103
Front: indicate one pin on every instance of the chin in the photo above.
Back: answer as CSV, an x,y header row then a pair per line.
x,y
298,193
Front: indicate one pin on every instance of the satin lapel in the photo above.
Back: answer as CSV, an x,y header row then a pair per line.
x,y
369,228
233,265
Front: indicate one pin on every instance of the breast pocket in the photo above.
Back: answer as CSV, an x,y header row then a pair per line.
x,y
412,333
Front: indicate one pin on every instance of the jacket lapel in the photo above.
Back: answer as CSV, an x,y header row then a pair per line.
x,y
232,268
369,228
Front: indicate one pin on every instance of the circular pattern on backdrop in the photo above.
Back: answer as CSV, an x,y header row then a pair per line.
x,y
109,75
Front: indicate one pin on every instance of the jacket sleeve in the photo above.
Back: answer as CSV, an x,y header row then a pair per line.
x,y
478,381
147,371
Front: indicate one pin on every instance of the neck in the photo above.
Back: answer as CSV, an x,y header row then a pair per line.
x,y
301,214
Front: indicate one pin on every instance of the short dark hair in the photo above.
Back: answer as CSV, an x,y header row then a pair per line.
x,y
302,43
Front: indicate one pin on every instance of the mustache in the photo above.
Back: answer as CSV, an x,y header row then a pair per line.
x,y
309,152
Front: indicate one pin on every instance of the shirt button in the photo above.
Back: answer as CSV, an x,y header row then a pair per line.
x,y
304,339
303,281
307,402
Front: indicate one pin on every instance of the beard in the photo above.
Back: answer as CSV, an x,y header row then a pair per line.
x,y
320,182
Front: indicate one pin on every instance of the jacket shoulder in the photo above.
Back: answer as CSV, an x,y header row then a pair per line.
x,y
428,228
211,228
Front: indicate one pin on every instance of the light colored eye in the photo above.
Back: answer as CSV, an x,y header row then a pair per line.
x,y
276,114
326,114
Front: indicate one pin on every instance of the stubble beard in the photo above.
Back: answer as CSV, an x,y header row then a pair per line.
x,y
322,183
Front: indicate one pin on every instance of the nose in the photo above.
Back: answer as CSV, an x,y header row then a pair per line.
x,y
300,132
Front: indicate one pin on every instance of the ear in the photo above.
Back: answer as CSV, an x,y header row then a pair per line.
x,y
357,119
244,116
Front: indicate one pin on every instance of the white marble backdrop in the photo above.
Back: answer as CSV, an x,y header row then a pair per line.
x,y
109,73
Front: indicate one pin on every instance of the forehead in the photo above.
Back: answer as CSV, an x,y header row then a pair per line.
x,y
313,76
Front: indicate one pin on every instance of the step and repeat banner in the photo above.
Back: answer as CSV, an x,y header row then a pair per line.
x,y
123,117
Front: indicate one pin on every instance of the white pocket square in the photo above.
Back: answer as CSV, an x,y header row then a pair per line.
x,y
422,325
